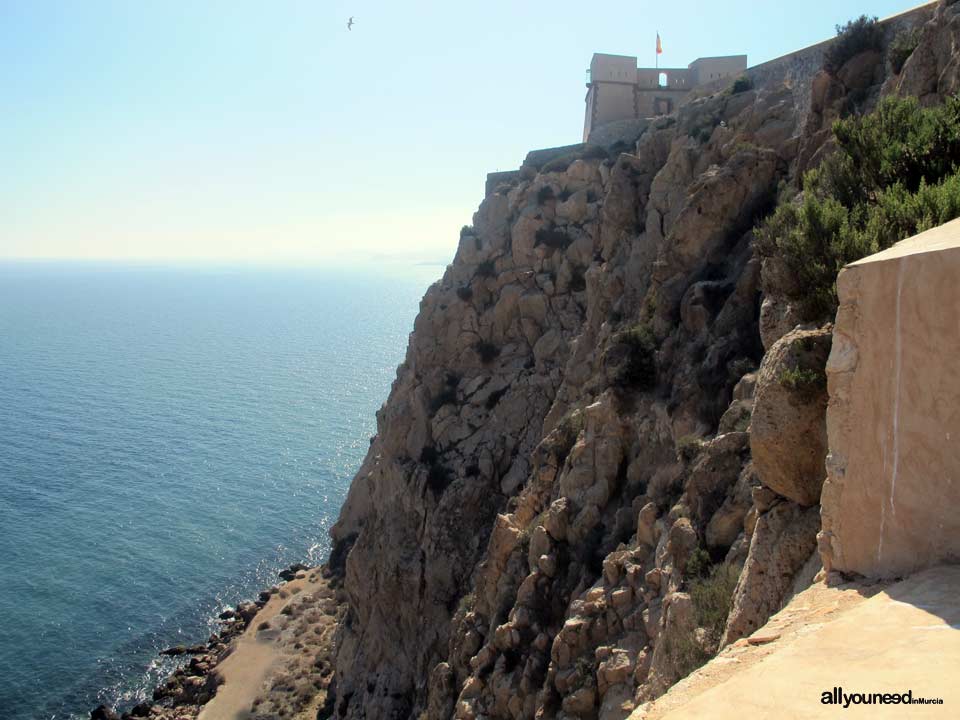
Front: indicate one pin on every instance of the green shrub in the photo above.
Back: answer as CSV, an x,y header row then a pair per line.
x,y
698,564
494,397
712,598
552,238
438,477
803,381
902,47
447,395
465,293
585,666
466,603
578,281
894,174
741,84
567,432
685,653
467,230
544,194
429,455
639,370
487,351
487,269
688,447
858,35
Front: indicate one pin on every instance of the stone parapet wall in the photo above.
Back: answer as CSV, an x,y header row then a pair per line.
x,y
624,131
889,504
495,179
797,69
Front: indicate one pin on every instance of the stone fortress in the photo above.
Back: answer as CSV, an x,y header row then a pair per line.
x,y
618,90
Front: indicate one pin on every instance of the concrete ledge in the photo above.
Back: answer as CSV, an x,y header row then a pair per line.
x,y
889,503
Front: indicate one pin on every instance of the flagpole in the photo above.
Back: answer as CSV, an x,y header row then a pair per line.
x,y
656,55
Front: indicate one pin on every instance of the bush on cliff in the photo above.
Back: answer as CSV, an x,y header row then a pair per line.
x,y
487,269
894,174
553,238
741,84
565,436
855,37
712,599
487,351
902,48
630,360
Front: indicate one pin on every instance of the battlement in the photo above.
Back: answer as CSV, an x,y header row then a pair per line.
x,y
619,90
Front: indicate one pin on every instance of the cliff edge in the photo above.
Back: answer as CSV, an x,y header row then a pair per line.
x,y
590,474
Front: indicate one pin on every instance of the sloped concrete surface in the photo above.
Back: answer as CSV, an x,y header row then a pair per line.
x,y
905,637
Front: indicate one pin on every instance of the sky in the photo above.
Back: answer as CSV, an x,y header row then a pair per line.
x,y
266,132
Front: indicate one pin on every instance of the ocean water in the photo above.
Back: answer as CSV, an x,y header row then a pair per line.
x,y
169,439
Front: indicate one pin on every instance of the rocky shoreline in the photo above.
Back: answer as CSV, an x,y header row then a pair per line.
x,y
188,690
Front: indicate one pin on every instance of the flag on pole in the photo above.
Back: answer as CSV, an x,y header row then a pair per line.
x,y
659,46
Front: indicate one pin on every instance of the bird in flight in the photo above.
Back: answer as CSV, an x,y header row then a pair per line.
x,y
350,23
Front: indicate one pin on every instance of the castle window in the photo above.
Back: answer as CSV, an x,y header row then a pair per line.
x,y
663,79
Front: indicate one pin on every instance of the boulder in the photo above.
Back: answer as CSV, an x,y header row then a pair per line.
x,y
102,712
783,540
788,431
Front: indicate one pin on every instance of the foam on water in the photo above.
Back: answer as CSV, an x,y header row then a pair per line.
x,y
169,439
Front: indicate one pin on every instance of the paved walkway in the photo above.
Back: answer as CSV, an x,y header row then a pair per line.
x,y
906,637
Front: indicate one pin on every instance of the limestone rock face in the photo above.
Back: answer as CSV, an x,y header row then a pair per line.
x,y
579,434
783,540
932,71
788,432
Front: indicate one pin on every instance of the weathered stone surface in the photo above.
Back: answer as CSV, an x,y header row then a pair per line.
x,y
788,434
782,542
515,543
932,71
889,504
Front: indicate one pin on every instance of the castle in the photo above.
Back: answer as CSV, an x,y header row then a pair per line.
x,y
618,90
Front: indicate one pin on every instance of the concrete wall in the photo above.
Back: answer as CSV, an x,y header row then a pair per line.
x,y
495,179
677,78
797,69
613,68
890,503
704,70
607,102
619,131
653,103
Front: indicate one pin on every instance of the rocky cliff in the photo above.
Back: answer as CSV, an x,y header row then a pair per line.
x,y
602,457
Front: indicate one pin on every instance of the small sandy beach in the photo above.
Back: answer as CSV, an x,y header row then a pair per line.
x,y
280,665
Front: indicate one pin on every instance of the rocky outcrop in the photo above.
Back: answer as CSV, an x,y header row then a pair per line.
x,y
781,542
549,482
788,431
932,71
582,486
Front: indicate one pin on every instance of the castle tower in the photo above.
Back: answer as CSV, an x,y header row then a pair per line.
x,y
619,90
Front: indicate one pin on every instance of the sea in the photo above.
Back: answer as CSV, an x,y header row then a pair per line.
x,y
170,438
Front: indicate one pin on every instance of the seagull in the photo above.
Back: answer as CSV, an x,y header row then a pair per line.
x,y
350,23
